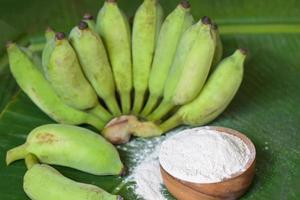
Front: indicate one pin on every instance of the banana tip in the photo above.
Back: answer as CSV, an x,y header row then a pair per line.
x,y
120,198
49,29
244,51
185,4
9,43
206,20
82,25
88,16
60,36
111,1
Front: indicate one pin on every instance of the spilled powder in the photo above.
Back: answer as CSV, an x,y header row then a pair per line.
x,y
144,174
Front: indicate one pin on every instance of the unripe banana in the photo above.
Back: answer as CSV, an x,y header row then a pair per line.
x,y
215,96
94,62
172,28
34,84
219,46
42,182
63,71
190,68
70,146
146,26
113,27
65,75
89,19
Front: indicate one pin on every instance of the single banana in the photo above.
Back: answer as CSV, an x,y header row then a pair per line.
x,y
48,48
172,28
146,26
89,19
63,71
216,95
190,68
219,46
70,146
43,182
113,27
95,65
34,84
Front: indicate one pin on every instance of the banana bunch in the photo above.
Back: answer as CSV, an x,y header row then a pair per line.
x,y
124,81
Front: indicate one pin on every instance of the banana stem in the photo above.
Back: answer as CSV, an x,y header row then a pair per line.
x,y
96,122
138,101
101,112
113,106
125,102
152,101
16,153
161,111
31,160
171,123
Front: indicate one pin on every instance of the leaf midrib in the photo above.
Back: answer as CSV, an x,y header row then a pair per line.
x,y
278,28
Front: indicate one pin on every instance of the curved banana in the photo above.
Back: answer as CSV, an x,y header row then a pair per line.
x,y
48,48
172,28
95,65
34,84
70,146
113,27
64,73
216,95
43,182
219,46
146,26
89,19
190,68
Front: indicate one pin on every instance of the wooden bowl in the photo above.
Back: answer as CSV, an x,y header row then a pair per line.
x,y
231,188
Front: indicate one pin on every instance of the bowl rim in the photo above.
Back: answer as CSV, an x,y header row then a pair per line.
x,y
230,131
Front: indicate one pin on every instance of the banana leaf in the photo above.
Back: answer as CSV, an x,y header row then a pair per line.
x,y
266,108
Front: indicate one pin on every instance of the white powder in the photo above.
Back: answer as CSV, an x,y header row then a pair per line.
x,y
145,173
203,156
148,178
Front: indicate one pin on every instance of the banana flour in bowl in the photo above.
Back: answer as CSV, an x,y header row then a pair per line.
x,y
202,155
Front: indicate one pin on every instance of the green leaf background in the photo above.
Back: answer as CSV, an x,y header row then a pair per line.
x,y
266,108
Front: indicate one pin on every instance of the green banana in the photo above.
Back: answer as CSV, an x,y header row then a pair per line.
x,y
173,27
216,95
146,26
94,62
63,71
219,46
34,84
48,48
70,146
113,27
89,19
42,182
190,68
